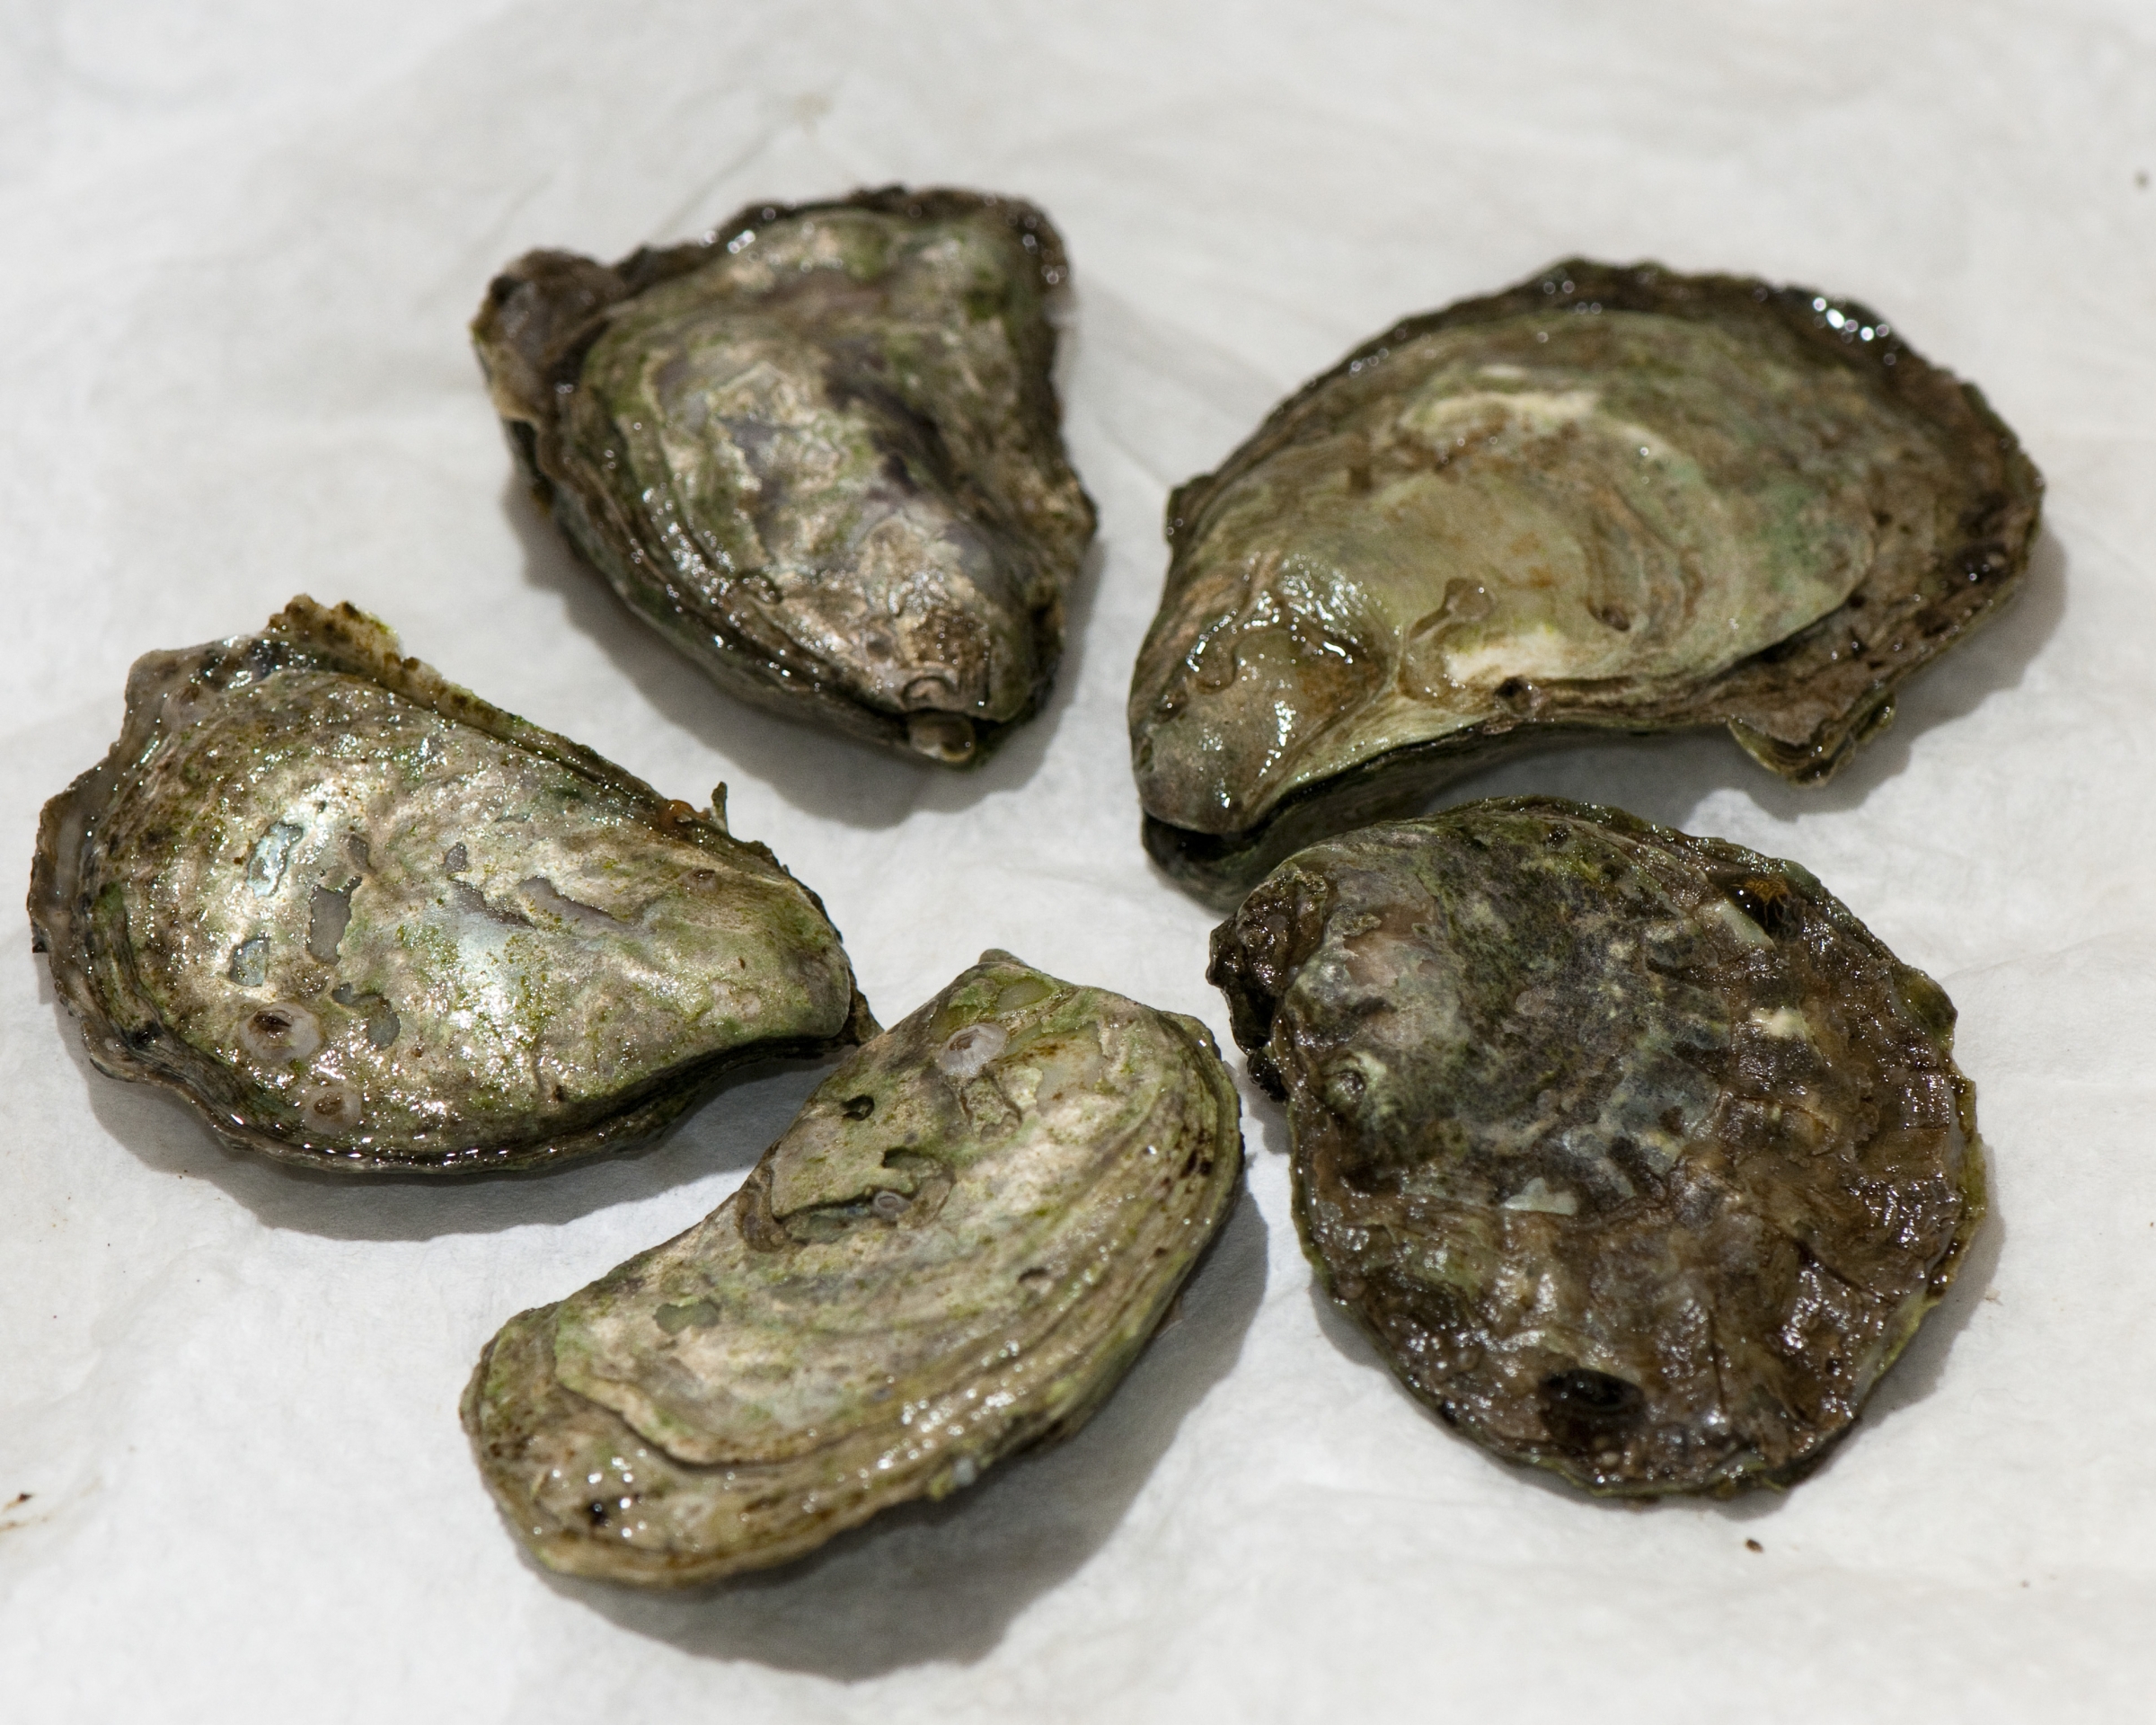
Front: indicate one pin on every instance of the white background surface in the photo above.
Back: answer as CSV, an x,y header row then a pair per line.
x,y
241,242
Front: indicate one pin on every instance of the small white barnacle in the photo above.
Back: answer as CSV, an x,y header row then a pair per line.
x,y
327,1104
968,1050
280,1033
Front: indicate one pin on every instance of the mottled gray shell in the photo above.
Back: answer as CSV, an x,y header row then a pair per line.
x,y
818,450
364,921
954,1252
1605,499
1636,1155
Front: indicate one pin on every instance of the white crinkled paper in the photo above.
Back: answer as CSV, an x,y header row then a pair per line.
x,y
242,241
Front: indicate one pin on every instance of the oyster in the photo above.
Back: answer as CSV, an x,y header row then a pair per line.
x,y
817,450
953,1252
362,920
1605,499
1637,1155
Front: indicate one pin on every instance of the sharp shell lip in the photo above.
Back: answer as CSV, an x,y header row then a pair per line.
x,y
345,638
1096,1343
1976,578
1253,993
528,382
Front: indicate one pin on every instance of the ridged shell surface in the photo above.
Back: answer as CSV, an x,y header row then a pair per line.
x,y
1604,499
363,920
819,451
1636,1155
953,1252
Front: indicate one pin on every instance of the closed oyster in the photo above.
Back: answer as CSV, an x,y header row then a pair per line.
x,y
362,920
1636,1155
953,1252
1605,499
817,450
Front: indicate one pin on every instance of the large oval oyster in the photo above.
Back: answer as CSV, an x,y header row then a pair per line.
x,y
817,450
1637,1155
953,1252
1607,499
363,920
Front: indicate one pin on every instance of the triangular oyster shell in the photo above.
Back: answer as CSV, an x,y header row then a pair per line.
x,y
364,921
1609,499
954,1252
817,450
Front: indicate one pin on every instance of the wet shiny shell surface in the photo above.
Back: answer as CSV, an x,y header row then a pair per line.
x,y
953,1252
1635,1154
1608,498
819,451
363,920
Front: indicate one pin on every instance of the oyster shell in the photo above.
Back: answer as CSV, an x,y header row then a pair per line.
x,y
1605,499
953,1252
1637,1155
817,450
362,920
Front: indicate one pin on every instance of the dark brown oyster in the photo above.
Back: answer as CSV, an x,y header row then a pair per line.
x,y
953,1253
1636,1155
817,450
364,921
1607,500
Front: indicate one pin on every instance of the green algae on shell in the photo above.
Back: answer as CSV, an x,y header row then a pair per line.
x,y
1636,1155
364,921
954,1252
1607,499
818,450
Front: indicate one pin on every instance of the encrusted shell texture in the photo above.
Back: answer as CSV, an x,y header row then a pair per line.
x,y
1636,1155
818,450
1609,499
364,921
953,1252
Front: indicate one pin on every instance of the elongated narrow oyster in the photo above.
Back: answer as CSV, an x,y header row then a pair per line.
x,y
1605,499
1636,1155
818,451
953,1252
362,920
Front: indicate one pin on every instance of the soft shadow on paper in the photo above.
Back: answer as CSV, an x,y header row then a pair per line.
x,y
942,1582
730,1131
820,773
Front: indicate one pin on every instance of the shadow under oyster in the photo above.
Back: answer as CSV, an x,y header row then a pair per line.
x,y
1636,1155
954,1252
1609,499
364,921
819,451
